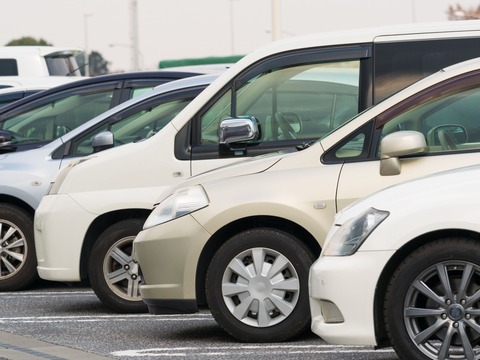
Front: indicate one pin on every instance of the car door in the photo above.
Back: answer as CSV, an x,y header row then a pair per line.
x,y
448,116
295,98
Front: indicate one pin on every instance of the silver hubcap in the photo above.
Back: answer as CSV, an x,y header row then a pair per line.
x,y
13,249
442,312
121,272
260,287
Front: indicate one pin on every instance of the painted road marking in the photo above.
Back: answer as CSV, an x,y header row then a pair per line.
x,y
239,350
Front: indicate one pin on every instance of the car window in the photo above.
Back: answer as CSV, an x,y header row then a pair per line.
x,y
298,102
399,64
8,67
132,124
55,118
62,65
450,122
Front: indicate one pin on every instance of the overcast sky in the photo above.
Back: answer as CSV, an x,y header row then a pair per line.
x,y
174,29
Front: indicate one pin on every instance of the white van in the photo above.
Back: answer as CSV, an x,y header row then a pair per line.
x,y
34,61
285,95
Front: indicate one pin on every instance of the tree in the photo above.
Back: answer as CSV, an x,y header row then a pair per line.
x,y
97,65
459,13
28,40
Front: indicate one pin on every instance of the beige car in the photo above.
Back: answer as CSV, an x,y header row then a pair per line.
x,y
243,237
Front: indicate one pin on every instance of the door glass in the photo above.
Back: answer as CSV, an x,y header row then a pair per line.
x,y
141,123
51,120
449,122
298,102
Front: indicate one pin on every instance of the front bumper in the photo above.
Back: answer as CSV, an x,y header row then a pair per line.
x,y
168,255
60,226
344,288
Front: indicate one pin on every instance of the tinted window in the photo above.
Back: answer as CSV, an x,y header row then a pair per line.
x,y
8,67
399,64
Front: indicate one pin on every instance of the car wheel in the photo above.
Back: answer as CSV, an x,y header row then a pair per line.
x,y
112,272
432,303
257,286
18,260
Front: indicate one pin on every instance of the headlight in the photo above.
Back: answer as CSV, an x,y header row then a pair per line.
x,y
180,203
351,235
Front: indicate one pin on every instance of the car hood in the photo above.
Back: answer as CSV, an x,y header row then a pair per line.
x,y
443,189
246,167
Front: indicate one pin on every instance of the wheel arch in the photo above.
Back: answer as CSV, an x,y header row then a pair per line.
x,y
394,262
12,200
239,225
99,225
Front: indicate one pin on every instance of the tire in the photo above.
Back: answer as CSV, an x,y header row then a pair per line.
x,y
18,260
443,324
112,272
236,293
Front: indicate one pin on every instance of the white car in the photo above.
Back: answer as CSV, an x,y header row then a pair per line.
x,y
401,268
282,96
247,234
38,61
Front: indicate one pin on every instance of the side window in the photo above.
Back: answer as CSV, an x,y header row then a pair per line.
x,y
8,67
48,121
449,122
298,102
132,125
399,64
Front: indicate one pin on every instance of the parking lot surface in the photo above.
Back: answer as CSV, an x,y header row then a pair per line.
x,y
56,321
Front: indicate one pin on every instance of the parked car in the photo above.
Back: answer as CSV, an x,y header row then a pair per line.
x,y
42,133
33,61
401,268
245,236
284,95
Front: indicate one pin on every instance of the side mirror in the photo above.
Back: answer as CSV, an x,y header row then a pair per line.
x,y
102,141
397,144
5,138
234,130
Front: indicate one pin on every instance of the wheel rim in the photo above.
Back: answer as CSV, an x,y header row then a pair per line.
x,y
260,287
121,272
13,249
441,311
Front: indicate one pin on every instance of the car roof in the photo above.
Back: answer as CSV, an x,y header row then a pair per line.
x,y
38,50
159,74
445,29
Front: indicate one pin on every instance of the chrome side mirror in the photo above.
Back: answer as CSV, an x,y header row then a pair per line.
x,y
233,130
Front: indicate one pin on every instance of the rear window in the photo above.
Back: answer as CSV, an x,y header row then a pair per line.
x,y
62,66
8,67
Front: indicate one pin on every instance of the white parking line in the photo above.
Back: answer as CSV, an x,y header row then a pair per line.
x,y
100,318
239,350
46,294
